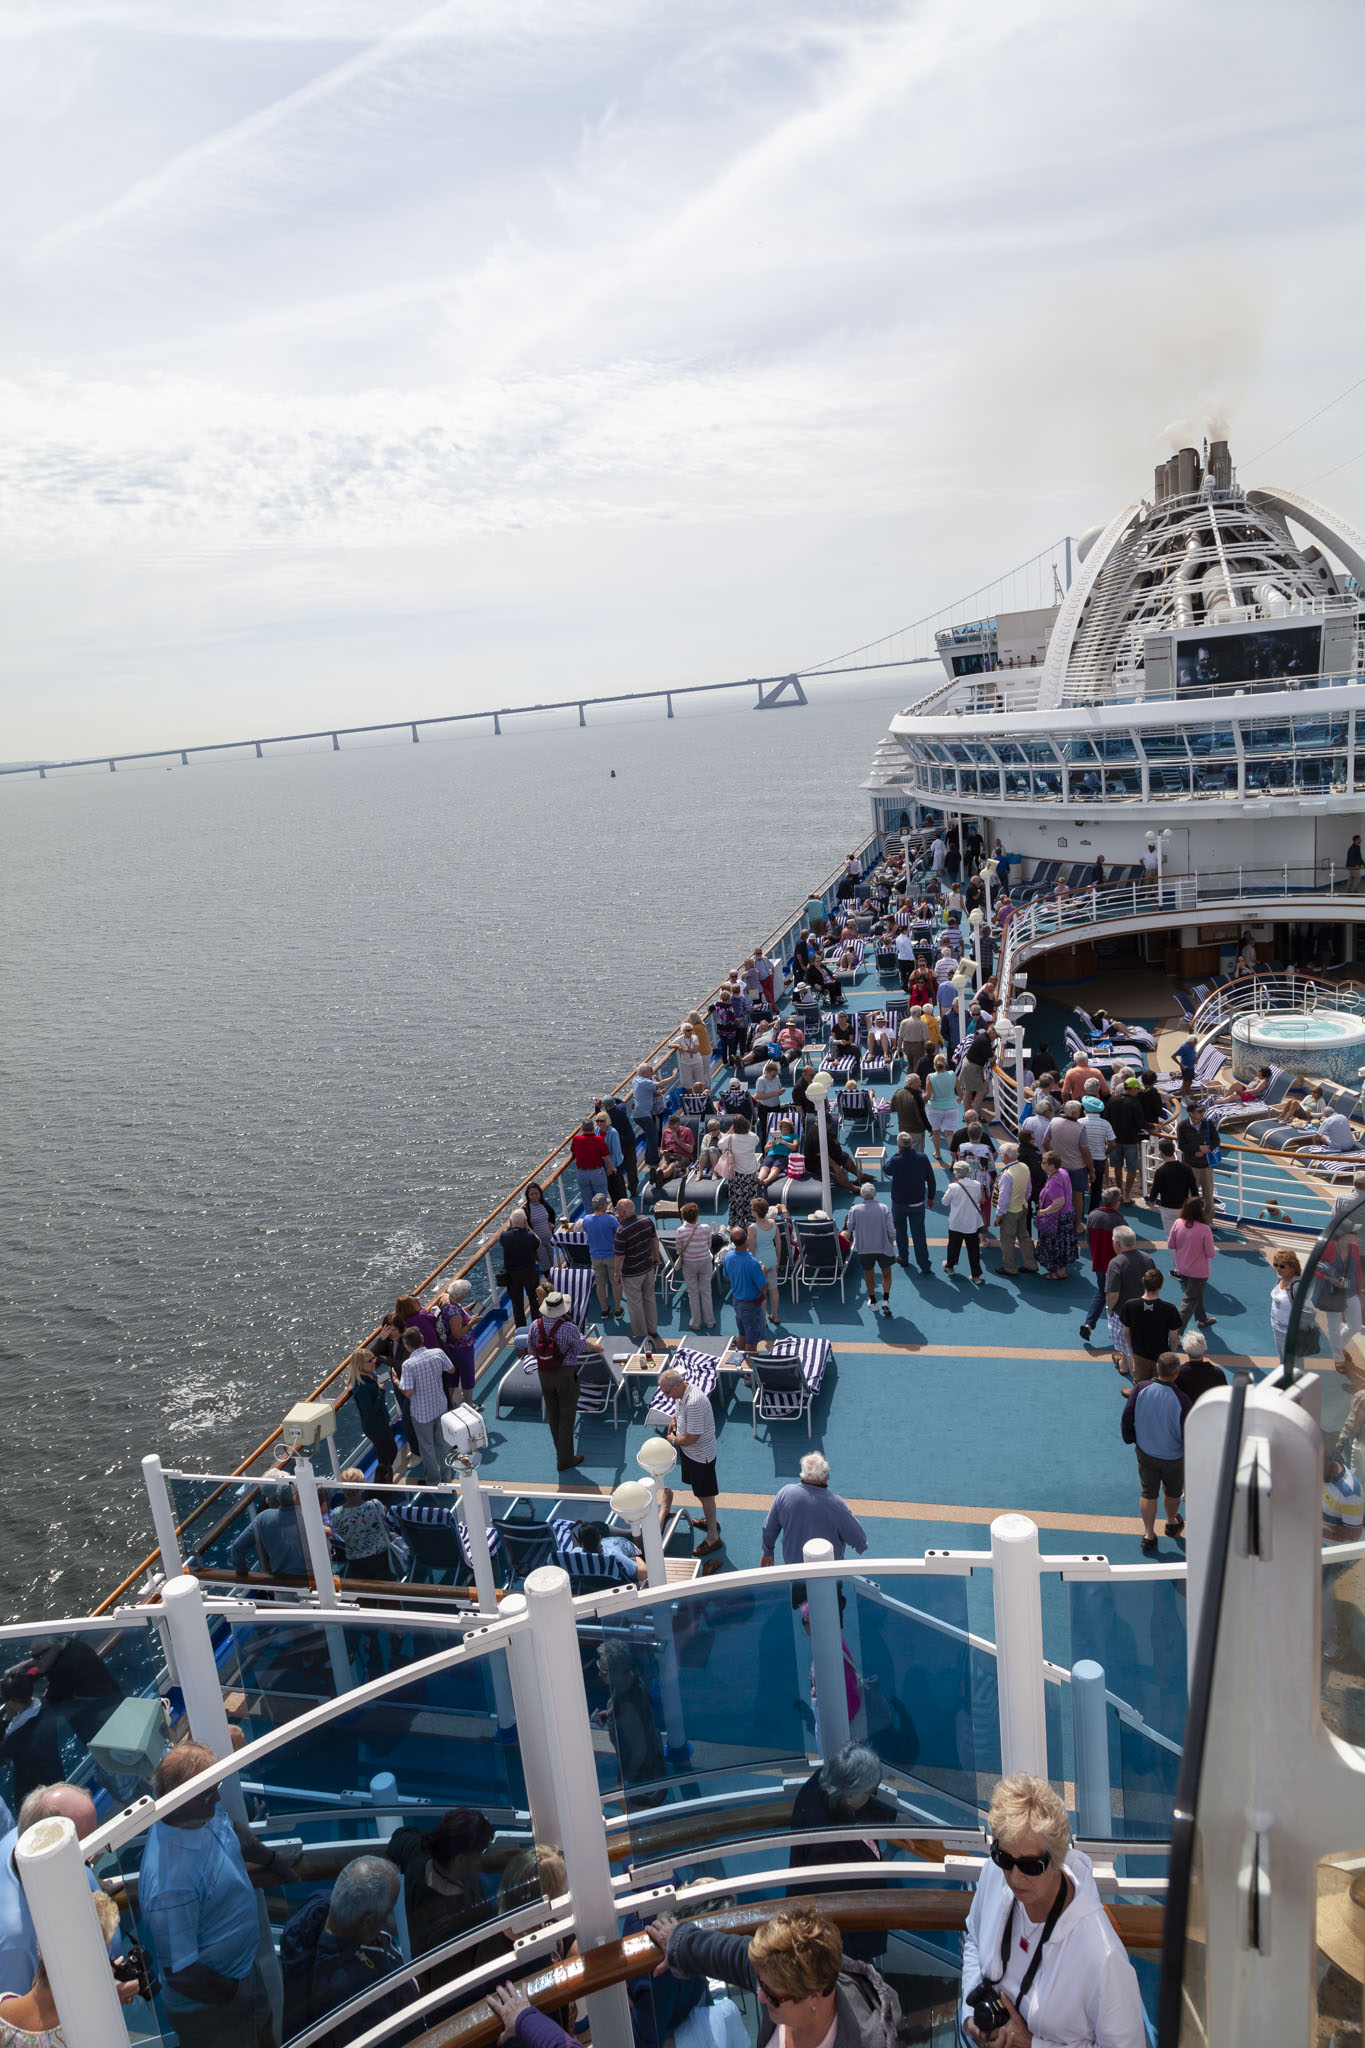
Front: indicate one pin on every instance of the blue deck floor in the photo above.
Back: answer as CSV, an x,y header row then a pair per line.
x,y
964,1403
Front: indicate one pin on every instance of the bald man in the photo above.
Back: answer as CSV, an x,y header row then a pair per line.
x,y
18,1942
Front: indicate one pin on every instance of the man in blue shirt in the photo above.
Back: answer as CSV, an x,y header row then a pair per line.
x,y
196,1895
272,1541
599,1227
1154,1423
748,1289
912,1185
810,1509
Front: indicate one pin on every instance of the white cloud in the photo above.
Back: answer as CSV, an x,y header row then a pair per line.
x,y
610,288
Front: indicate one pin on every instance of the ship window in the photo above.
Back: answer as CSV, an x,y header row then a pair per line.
x,y
1117,746
1122,782
989,781
967,781
1164,744
1076,750
1215,778
1206,740
1038,750
1047,783
1171,778
968,664
1007,751
1268,739
1319,734
956,751
1085,785
977,751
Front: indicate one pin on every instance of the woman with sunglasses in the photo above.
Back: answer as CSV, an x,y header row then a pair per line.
x,y
809,1992
1038,1938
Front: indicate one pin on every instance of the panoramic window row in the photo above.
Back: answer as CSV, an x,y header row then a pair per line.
x,y
1309,755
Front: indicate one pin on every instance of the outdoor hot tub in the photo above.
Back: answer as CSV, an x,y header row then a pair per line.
x,y
1327,1044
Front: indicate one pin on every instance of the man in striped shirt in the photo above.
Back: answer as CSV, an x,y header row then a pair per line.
x,y
421,1381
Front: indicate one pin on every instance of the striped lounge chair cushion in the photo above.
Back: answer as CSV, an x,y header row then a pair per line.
x,y
697,1366
814,1354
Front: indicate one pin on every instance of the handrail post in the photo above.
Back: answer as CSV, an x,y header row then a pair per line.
x,y
564,1706
1017,1589
1090,1729
199,1682
168,1546
57,1891
319,1558
826,1652
532,1738
387,1821
485,1585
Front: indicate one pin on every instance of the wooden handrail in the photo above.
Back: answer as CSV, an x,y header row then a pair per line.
x,y
942,1912
139,1571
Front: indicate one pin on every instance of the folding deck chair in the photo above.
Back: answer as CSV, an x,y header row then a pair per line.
x,y
819,1261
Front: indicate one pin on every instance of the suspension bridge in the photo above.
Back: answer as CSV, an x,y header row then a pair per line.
x,y
1037,583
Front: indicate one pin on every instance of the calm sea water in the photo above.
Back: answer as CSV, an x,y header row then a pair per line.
x,y
275,1034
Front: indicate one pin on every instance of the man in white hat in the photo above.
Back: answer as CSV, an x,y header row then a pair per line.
x,y
556,1345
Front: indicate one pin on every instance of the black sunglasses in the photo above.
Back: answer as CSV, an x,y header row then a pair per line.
x,y
1027,1866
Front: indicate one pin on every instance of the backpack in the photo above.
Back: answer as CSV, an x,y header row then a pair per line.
x,y
541,1343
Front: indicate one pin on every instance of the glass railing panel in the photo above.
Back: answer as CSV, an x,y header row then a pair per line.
x,y
927,1695
700,1699
100,1719
445,1737
1343,1644
1135,1633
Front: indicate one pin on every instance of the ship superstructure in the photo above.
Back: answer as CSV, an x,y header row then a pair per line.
x,y
1202,670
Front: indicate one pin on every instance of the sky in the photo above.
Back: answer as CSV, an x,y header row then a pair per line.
x,y
366,359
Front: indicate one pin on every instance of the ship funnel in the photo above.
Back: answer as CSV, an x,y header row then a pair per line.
x,y
1187,472
1220,465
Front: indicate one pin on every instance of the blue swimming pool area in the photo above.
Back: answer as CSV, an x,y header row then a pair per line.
x,y
1328,1045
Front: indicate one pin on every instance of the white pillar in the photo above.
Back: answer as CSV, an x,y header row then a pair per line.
x,y
167,1542
188,1624
387,1821
532,1740
163,1517
476,1528
57,1890
1090,1729
320,1565
826,1651
1017,1589
564,1707
826,1191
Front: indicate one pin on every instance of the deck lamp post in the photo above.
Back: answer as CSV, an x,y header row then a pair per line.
x,y
976,920
962,981
657,1457
984,877
1163,848
816,1091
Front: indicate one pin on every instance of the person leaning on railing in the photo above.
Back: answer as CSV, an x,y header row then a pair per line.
x,y
1038,1940
806,1985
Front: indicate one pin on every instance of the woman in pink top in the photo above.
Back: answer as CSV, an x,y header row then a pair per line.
x,y
1193,1251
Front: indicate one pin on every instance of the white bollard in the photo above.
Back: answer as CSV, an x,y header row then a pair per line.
x,y
1017,1589
826,1652
1090,1731
183,1603
57,1890
564,1706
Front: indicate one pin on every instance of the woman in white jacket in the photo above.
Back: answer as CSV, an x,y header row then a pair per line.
x,y
1038,1935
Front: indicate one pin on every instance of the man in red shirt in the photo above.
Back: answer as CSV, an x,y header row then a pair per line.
x,y
592,1157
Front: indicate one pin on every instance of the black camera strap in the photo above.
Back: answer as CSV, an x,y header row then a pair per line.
x,y
1055,1913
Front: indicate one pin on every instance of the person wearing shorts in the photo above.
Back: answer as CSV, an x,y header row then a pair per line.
x,y
748,1289
873,1232
942,1105
692,1432
1154,1423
